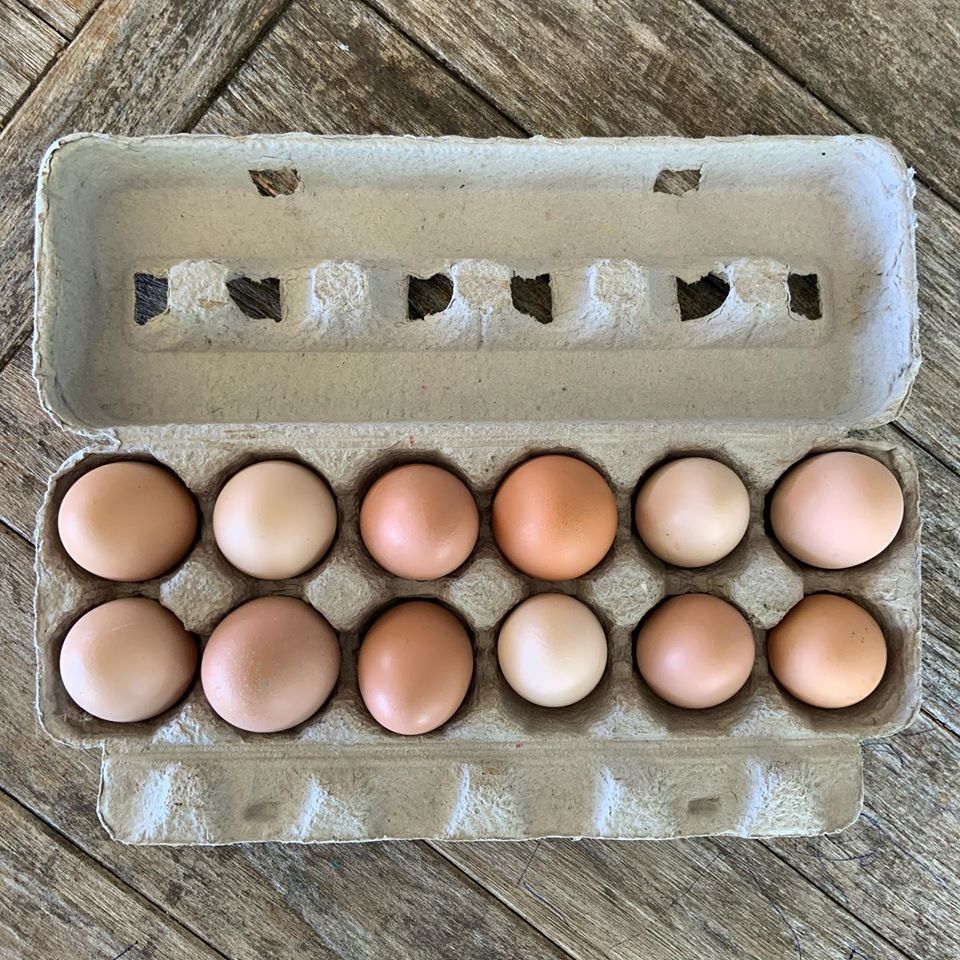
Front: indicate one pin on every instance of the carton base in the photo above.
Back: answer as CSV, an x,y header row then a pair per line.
x,y
507,792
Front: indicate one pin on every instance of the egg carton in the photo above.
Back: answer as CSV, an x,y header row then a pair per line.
x,y
348,384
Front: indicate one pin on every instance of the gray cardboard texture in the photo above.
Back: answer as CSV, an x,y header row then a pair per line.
x,y
348,384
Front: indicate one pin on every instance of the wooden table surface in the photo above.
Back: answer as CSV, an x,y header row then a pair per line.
x,y
885,888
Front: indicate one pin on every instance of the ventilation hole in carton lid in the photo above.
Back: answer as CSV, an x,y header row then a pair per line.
x,y
533,296
426,295
257,299
677,182
150,295
705,805
804,290
280,182
702,297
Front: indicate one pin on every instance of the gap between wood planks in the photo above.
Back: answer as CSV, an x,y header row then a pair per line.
x,y
494,106
46,67
44,16
77,850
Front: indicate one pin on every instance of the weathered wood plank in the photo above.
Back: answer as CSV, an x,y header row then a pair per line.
x,y
570,68
134,68
65,16
27,45
715,900
31,445
54,902
339,68
897,868
886,65
358,898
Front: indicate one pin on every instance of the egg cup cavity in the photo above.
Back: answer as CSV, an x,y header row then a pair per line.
x,y
349,589
905,472
79,466
894,703
214,486
533,719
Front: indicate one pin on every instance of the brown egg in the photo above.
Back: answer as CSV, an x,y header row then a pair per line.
x,y
127,520
419,521
414,667
127,660
552,650
837,509
274,519
554,517
270,664
827,651
695,650
692,511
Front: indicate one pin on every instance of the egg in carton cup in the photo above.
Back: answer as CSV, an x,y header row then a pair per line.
x,y
208,302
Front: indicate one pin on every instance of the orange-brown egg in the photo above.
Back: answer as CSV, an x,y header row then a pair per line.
x,y
692,511
837,509
270,664
274,519
127,520
554,517
127,660
414,667
419,521
827,651
695,650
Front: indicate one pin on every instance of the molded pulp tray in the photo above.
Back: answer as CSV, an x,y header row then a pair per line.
x,y
348,384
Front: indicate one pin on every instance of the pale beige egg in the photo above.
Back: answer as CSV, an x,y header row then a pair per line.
x,y
274,519
552,650
692,511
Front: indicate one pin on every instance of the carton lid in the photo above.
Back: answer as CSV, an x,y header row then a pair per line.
x,y
188,279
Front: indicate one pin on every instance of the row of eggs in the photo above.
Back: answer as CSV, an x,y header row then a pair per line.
x,y
272,662
554,517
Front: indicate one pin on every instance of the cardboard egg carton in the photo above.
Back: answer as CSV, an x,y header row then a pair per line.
x,y
349,384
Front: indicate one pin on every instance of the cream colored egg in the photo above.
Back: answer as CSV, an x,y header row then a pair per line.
x,y
692,511
274,519
552,650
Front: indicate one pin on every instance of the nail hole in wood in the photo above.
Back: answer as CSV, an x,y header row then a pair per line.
x,y
280,182
257,299
677,182
533,296
804,290
150,297
702,297
426,295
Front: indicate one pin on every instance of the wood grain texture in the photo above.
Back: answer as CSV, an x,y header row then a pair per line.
x,y
134,68
339,68
340,900
57,904
883,889
889,66
65,16
27,45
